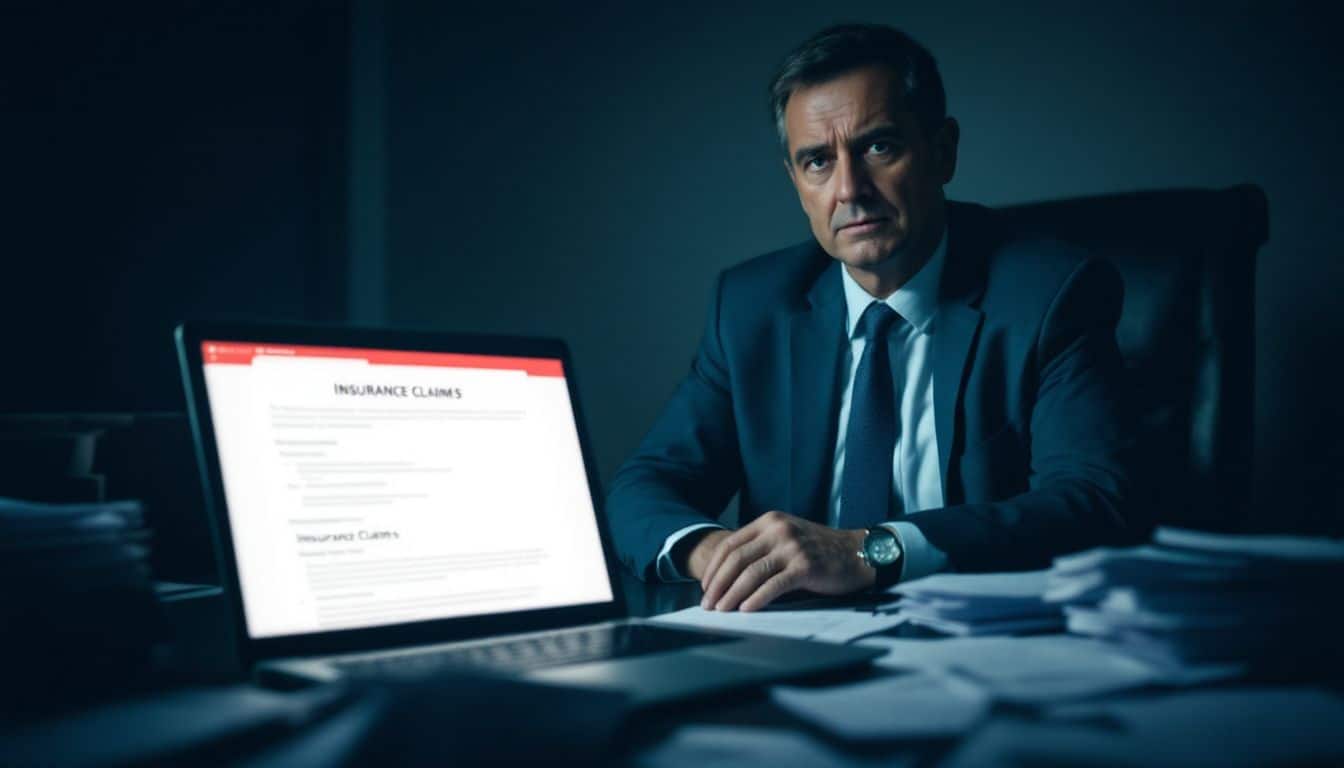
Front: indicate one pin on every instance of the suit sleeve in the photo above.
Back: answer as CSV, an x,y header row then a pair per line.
x,y
687,467
1081,445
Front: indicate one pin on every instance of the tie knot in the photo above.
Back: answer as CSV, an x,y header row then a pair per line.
x,y
876,320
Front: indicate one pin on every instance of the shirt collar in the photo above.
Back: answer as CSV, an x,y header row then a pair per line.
x,y
916,301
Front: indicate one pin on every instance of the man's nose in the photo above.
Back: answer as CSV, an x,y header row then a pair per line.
x,y
851,180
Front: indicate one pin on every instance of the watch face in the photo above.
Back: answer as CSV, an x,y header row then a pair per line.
x,y
881,547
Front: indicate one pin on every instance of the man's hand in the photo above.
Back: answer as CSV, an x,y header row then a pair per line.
x,y
775,554
697,562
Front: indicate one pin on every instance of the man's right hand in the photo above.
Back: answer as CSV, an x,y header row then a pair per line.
x,y
703,552
773,555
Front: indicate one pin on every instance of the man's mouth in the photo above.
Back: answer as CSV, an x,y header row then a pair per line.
x,y
863,225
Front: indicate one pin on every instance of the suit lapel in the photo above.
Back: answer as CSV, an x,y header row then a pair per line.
x,y
956,326
817,343
953,339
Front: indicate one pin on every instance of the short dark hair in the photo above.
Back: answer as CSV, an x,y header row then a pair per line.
x,y
836,50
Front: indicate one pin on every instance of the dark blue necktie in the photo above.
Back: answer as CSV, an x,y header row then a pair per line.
x,y
870,439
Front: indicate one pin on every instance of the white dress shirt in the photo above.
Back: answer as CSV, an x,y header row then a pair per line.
x,y
916,476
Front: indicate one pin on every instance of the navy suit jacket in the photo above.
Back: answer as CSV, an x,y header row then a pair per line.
x,y
1030,404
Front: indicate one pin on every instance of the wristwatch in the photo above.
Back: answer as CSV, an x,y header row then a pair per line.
x,y
882,552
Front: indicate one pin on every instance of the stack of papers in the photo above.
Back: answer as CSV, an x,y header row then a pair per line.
x,y
980,604
1193,598
79,604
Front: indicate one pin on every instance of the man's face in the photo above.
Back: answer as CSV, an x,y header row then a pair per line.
x,y
869,180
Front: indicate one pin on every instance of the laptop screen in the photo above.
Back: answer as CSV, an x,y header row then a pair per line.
x,y
368,487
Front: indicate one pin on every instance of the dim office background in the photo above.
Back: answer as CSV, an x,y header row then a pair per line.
x,y
584,170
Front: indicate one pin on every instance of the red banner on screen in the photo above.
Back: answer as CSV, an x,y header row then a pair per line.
x,y
238,353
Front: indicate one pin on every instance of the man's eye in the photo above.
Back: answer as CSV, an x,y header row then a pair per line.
x,y
815,164
881,148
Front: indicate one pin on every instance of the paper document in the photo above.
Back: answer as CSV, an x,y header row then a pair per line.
x,y
921,705
834,625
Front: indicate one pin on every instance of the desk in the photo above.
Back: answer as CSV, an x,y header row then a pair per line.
x,y
1018,736
206,658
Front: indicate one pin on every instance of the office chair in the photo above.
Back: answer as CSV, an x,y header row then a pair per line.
x,y
1187,333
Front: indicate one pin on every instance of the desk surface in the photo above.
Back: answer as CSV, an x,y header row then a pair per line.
x,y
204,657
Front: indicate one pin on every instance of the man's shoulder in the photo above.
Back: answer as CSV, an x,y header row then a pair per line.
x,y
1037,263
779,276
1025,271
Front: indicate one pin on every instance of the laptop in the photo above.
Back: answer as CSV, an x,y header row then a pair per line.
x,y
391,504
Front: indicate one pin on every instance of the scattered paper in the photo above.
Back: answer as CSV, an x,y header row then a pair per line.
x,y
1039,669
922,705
863,624
836,625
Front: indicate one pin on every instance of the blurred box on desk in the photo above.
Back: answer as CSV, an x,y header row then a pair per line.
x,y
80,613
94,457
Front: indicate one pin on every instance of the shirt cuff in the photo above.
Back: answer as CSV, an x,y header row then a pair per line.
x,y
667,570
921,557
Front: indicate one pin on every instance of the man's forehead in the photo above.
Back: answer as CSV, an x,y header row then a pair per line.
x,y
850,103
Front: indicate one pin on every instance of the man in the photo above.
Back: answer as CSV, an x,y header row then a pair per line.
x,y
909,392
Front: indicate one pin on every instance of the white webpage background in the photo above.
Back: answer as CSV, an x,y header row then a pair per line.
x,y
356,511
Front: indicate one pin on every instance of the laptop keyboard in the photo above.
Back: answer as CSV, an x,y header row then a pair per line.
x,y
555,649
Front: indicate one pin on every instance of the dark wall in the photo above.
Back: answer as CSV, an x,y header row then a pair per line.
x,y
585,170
585,173
161,161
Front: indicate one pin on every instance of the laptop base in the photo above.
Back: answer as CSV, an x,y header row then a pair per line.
x,y
675,664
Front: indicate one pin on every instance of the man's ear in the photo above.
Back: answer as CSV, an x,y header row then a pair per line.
x,y
945,149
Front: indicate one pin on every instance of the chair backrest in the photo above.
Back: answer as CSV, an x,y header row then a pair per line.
x,y
1187,332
